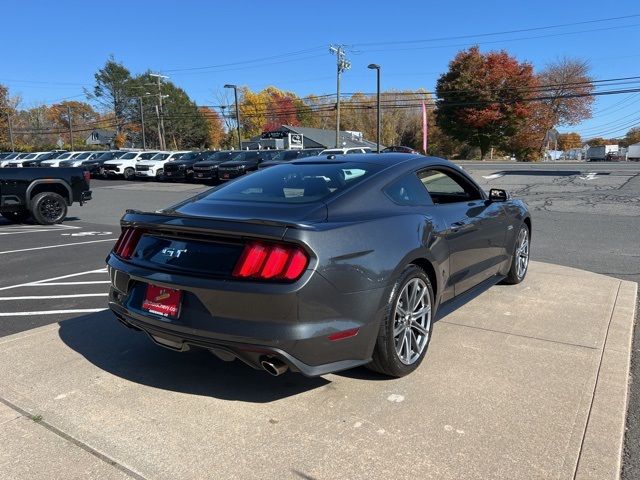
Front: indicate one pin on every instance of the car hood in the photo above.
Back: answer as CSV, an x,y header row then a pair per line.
x,y
237,163
210,163
149,163
251,211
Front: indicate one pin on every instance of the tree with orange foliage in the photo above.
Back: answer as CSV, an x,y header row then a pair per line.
x,y
482,98
215,127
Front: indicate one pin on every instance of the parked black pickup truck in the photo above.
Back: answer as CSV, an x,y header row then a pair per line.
x,y
41,193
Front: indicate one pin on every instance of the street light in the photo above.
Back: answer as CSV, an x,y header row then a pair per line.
x,y
376,67
235,94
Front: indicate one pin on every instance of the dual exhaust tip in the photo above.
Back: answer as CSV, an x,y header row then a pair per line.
x,y
273,366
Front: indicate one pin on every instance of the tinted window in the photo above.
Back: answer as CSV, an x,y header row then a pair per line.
x,y
448,187
294,183
217,156
189,156
146,156
408,190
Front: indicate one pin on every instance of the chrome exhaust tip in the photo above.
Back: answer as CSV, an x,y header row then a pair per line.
x,y
274,366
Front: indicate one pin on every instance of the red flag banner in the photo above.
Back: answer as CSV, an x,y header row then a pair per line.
x,y
425,128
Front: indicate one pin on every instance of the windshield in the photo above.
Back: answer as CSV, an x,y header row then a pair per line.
x,y
147,155
217,156
159,156
294,183
105,156
63,156
190,155
30,156
11,156
83,156
286,155
76,154
46,156
129,156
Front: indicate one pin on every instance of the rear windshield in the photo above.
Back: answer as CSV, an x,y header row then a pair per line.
x,y
294,183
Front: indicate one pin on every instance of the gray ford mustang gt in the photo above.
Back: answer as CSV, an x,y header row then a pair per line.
x,y
320,264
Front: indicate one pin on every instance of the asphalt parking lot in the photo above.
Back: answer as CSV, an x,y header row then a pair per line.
x,y
586,216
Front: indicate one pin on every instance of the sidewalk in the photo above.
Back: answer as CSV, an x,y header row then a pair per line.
x,y
526,381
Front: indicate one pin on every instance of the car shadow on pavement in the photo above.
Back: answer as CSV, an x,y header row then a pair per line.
x,y
131,355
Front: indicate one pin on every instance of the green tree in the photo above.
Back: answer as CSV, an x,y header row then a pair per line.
x,y
115,92
482,98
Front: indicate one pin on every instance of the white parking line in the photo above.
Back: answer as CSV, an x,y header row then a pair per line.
x,y
47,297
57,246
18,229
39,282
493,175
57,284
51,312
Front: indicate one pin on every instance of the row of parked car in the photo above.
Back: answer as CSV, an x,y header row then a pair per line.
x,y
185,165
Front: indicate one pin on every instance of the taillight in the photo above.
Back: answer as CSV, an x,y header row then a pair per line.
x,y
127,242
87,177
270,261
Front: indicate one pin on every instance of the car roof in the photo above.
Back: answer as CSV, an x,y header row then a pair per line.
x,y
375,158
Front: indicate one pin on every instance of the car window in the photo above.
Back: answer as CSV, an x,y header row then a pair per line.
x,y
129,156
407,190
349,152
445,186
63,156
83,155
294,183
159,156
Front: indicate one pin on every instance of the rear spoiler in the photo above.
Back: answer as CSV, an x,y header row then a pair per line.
x,y
167,222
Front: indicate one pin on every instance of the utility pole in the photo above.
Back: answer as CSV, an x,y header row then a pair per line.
x,y
159,128
144,137
159,78
342,64
10,132
70,127
235,94
376,67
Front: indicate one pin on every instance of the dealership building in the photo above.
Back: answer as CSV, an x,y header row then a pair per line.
x,y
295,138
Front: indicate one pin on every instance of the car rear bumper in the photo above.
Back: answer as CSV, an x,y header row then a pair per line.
x,y
289,322
85,196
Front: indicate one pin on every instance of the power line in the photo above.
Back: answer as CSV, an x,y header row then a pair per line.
x,y
504,32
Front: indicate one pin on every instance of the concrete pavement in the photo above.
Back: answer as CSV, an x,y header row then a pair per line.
x,y
526,381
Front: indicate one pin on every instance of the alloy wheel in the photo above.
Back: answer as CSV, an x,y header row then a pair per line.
x,y
50,209
522,252
412,321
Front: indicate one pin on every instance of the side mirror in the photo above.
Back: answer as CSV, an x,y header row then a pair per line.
x,y
498,195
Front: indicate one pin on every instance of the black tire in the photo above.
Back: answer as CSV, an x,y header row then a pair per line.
x,y
386,359
516,272
16,217
129,173
48,208
160,174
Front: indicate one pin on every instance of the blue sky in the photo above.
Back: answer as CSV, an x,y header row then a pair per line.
x,y
50,50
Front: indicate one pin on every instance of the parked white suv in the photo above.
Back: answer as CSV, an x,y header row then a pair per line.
x,y
126,164
55,162
154,167
17,162
345,151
